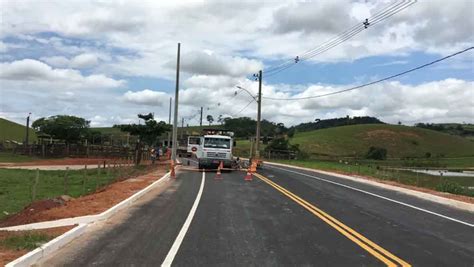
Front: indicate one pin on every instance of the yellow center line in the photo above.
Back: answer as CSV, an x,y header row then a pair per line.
x,y
374,249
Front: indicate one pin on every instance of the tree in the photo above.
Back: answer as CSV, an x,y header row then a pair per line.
x,y
220,119
147,133
377,153
210,119
71,129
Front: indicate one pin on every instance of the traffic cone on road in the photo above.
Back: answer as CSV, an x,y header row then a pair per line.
x,y
172,173
248,177
218,174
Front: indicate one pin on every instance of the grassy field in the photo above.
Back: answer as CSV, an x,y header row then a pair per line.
x,y
10,157
16,185
400,141
242,149
29,241
14,131
456,185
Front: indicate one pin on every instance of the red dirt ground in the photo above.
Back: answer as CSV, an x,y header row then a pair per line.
x,y
7,254
103,199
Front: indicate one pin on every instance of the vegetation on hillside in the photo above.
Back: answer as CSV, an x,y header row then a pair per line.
x,y
12,131
464,130
399,141
336,122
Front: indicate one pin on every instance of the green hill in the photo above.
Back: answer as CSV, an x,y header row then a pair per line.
x,y
14,131
400,141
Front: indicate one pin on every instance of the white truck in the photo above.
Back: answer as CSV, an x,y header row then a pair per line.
x,y
215,146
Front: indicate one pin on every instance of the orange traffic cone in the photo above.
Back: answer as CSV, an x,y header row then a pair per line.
x,y
172,174
218,174
248,177
221,165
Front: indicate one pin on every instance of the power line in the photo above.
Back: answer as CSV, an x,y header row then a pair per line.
x,y
342,37
248,104
377,81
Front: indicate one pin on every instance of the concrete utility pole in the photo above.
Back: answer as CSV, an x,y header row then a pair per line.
x,y
259,110
169,122
175,120
200,121
27,138
182,127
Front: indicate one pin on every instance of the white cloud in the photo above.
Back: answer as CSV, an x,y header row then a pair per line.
x,y
147,97
30,71
449,100
213,64
56,61
81,61
84,61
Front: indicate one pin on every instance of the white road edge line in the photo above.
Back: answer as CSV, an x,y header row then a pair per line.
x,y
179,239
379,196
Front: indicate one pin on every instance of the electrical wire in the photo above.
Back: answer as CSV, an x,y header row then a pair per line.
x,y
248,104
377,81
342,37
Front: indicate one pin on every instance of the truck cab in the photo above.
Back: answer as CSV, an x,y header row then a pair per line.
x,y
213,149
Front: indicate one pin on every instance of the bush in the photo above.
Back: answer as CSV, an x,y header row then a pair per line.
x,y
377,153
450,187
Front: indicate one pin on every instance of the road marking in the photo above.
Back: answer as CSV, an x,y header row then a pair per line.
x,y
380,253
179,239
379,196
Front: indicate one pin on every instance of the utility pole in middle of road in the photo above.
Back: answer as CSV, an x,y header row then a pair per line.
x,y
175,120
259,110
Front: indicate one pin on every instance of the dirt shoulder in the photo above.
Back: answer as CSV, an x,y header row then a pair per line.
x,y
9,253
97,202
62,161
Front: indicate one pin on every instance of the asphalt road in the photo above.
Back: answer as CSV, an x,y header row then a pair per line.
x,y
283,217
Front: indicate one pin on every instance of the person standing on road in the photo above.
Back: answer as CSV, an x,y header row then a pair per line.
x,y
160,152
153,156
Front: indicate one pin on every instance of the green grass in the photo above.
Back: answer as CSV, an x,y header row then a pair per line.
x,y
400,141
242,149
14,131
16,185
28,241
10,157
378,170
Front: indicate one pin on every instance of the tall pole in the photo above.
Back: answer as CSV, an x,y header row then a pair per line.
x,y
259,102
182,127
175,120
169,122
27,139
200,121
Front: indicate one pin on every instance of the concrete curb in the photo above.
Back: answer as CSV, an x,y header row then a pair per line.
x,y
34,256
422,195
88,218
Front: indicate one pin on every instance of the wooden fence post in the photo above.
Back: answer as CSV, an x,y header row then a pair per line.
x,y
84,178
66,182
97,177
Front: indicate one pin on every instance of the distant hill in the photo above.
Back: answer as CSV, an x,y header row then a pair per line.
x,y
336,122
465,130
400,141
13,131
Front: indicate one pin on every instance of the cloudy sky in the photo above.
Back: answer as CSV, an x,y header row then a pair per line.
x,y
106,61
